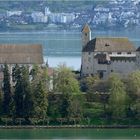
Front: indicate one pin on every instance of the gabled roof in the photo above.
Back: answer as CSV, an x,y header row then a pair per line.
x,y
110,44
21,54
86,28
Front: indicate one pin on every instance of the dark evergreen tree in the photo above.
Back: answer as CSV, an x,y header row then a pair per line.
x,y
27,93
39,90
1,101
6,90
23,94
40,100
19,95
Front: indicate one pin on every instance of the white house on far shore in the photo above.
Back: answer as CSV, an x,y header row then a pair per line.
x,y
104,55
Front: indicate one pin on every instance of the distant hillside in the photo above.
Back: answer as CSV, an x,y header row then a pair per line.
x,y
55,5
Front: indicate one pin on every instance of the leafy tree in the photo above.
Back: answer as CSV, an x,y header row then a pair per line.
x,y
91,82
76,106
133,85
133,90
67,85
118,97
6,90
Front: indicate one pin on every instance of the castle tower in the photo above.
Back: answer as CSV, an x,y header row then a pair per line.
x,y
86,35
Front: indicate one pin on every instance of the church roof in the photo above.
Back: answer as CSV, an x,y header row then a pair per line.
x,y
86,28
21,54
104,44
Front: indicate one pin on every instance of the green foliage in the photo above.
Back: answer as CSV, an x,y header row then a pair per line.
x,y
1,101
65,105
66,82
40,92
6,90
93,110
112,101
23,94
133,83
118,97
76,106
67,85
133,90
18,96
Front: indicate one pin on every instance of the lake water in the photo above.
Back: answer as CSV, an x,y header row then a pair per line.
x,y
70,134
64,46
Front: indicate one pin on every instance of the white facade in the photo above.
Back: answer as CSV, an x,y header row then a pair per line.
x,y
39,17
62,17
11,13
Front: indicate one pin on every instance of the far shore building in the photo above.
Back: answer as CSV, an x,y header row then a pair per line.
x,y
12,54
104,55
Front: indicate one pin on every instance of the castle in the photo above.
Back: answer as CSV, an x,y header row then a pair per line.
x,y
104,55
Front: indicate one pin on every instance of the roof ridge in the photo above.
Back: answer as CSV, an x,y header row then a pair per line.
x,y
111,37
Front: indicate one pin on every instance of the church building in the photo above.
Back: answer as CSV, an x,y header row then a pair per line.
x,y
21,54
104,55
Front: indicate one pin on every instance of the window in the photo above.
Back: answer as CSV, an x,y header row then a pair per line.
x,y
119,53
109,52
106,45
101,61
128,52
88,53
85,34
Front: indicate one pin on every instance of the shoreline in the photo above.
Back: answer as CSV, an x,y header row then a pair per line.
x,y
69,126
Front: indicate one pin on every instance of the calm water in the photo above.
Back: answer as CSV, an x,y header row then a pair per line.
x,y
73,134
64,46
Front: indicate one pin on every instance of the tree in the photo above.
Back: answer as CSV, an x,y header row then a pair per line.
x,y
27,93
6,90
1,101
40,93
118,97
133,90
133,85
76,106
67,85
18,94
40,100
91,82
23,94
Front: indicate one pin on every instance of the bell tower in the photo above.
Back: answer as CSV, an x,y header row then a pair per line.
x,y
86,35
